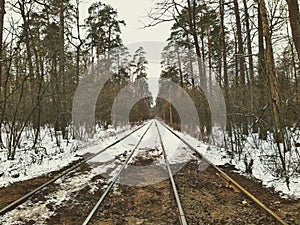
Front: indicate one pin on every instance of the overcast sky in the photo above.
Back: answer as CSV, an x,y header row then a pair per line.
x,y
133,12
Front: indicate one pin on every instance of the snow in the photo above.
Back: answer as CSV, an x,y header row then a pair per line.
x,y
28,165
219,156
264,169
40,212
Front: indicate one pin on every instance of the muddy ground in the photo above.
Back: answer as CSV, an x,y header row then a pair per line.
x,y
206,198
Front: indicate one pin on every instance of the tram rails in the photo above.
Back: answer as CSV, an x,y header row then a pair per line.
x,y
113,181
174,188
179,208
230,180
180,211
24,198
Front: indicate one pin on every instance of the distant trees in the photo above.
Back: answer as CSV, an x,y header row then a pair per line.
x,y
103,29
142,109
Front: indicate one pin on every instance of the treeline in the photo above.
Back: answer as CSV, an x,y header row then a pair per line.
x,y
44,52
248,48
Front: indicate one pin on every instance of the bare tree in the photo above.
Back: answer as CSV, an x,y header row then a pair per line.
x,y
241,59
2,12
185,17
279,136
294,17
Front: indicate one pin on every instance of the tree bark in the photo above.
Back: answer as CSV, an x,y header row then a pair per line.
x,y
225,71
193,30
2,12
272,80
250,61
78,48
294,17
179,65
62,97
249,46
262,77
241,57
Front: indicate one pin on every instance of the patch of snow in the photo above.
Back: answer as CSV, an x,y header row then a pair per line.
x,y
40,211
255,149
29,164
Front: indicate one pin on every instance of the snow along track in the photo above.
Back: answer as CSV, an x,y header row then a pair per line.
x,y
230,180
165,161
108,189
19,201
180,209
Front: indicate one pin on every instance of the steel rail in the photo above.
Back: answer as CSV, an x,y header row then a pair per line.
x,y
93,211
232,181
177,198
19,201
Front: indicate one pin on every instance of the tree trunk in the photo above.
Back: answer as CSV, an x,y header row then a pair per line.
x,y
225,71
272,81
241,57
191,70
209,64
62,97
179,65
262,77
170,114
294,17
38,112
78,48
193,30
250,61
249,46
2,12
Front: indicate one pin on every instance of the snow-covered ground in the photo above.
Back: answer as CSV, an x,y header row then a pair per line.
x,y
40,211
255,149
264,166
109,162
28,164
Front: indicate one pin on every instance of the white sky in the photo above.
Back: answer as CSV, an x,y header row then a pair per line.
x,y
133,12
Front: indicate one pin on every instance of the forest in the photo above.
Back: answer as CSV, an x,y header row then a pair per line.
x,y
250,49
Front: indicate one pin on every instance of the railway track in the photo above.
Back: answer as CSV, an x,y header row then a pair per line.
x,y
108,189
24,198
174,188
182,218
180,207
230,180
175,185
